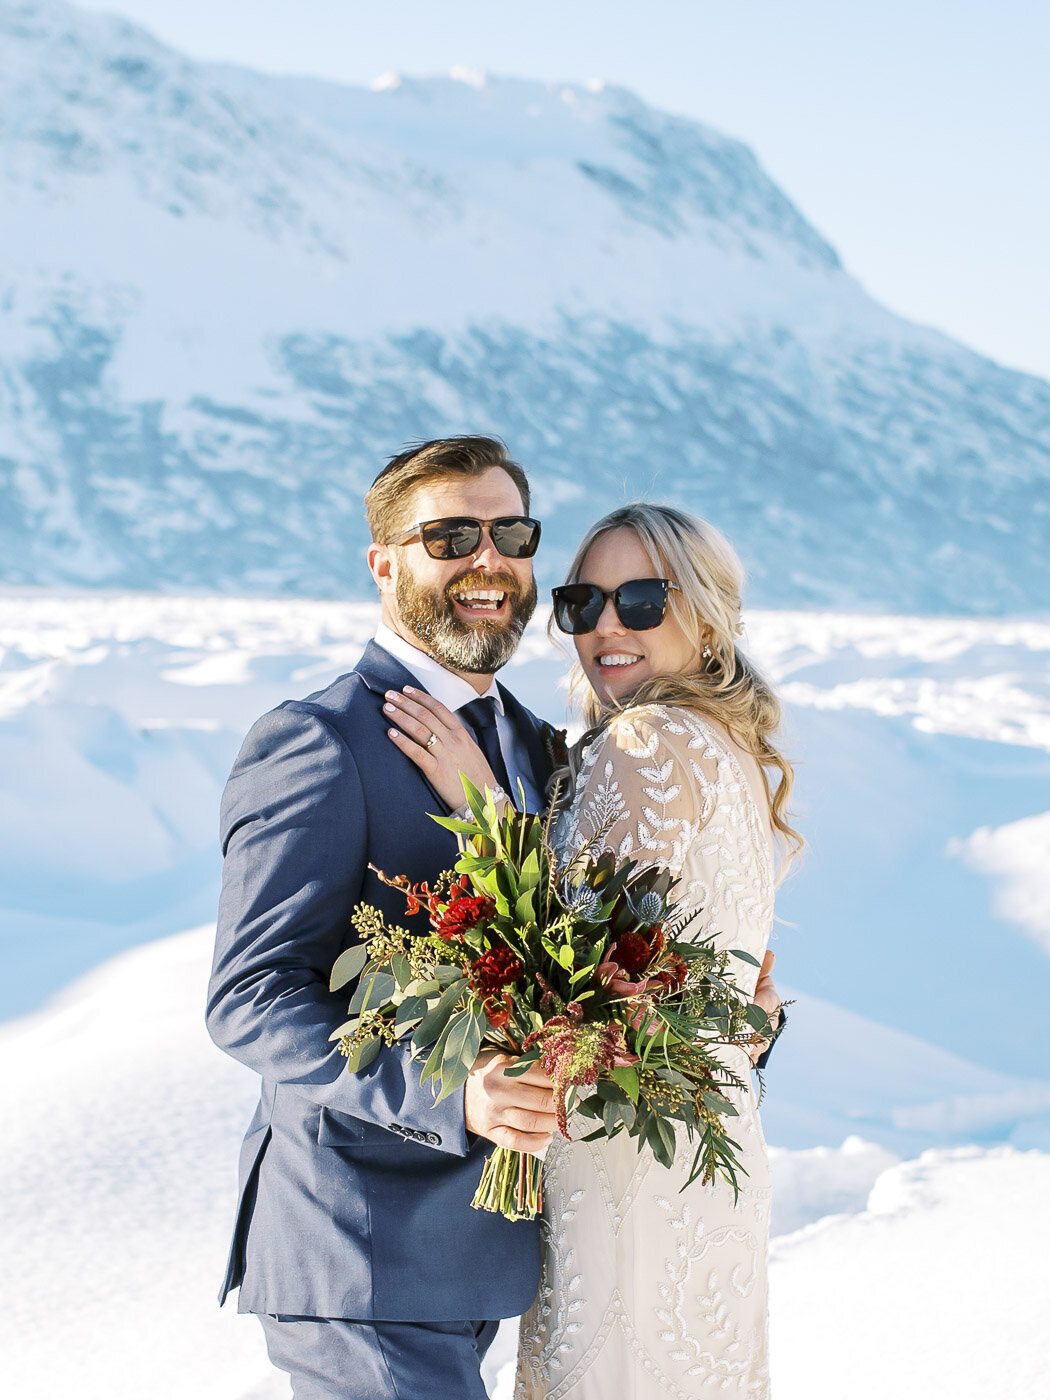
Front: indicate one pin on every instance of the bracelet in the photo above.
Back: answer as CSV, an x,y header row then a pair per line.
x,y
464,814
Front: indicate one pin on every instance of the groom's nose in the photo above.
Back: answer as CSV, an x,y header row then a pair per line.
x,y
487,556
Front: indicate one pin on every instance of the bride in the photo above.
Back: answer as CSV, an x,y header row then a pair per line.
x,y
648,1291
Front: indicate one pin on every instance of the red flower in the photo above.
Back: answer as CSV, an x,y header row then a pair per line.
x,y
673,973
494,970
631,951
462,913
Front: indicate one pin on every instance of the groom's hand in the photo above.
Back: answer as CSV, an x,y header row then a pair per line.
x,y
516,1112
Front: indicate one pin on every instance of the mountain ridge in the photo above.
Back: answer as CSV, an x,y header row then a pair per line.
x,y
228,297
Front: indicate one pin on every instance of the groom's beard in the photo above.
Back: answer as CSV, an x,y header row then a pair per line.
x,y
480,647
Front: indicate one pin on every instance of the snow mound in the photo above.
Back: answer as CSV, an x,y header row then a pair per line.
x,y
939,1288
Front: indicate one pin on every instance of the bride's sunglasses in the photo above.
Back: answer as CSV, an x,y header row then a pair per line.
x,y
640,604
457,536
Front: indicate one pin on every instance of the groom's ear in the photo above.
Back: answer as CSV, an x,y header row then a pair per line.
x,y
382,564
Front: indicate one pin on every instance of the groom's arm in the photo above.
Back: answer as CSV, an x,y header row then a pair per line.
x,y
294,845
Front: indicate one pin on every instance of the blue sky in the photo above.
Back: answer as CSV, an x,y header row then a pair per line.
x,y
914,133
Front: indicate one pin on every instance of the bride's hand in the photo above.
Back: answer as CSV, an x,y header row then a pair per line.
x,y
437,742
768,998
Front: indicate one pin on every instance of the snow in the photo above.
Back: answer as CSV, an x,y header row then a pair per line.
x,y
920,1279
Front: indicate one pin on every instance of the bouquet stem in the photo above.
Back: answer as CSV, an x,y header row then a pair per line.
x,y
511,1184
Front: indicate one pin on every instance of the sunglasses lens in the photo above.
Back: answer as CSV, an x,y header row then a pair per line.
x,y
641,603
577,607
451,539
516,537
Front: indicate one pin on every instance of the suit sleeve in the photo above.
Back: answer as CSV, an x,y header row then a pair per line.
x,y
294,843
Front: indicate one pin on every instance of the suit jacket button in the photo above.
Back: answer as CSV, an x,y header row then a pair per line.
x,y
433,1139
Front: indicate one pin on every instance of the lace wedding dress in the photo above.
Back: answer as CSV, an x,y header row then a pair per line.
x,y
647,1292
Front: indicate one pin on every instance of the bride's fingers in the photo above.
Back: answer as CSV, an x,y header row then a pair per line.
x,y
417,752
413,720
423,707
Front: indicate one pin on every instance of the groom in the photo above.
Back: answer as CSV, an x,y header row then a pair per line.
x,y
355,1240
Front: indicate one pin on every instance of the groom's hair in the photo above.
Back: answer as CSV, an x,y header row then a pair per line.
x,y
389,497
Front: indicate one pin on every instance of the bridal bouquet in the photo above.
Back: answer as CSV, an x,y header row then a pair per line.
x,y
582,966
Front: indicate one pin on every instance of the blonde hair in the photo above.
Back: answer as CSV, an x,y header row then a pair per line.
x,y
726,688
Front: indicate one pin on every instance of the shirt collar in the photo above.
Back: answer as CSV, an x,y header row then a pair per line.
x,y
452,690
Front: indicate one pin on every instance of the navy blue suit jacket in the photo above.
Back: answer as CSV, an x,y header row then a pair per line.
x,y
355,1189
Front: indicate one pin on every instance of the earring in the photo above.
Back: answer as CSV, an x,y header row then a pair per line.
x,y
707,653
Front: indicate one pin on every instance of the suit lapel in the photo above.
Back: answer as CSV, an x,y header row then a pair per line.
x,y
382,672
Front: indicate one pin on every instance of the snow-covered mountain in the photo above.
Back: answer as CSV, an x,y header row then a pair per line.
x,y
226,298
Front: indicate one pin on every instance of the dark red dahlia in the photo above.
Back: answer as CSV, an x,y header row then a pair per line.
x,y
632,952
462,913
494,970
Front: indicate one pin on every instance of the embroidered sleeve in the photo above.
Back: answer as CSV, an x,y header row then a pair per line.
x,y
647,788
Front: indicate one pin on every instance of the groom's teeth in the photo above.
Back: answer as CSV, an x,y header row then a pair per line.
x,y
617,659
481,598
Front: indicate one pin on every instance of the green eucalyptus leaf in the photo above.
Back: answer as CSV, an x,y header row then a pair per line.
x,y
610,1092
611,1116
627,1078
437,1018
718,1103
364,1054
521,1066
347,1028
412,1009
661,1138
460,1051
402,969
433,1061
373,990
757,1018
744,956
348,965
422,987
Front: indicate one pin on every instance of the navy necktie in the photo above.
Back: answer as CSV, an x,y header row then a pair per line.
x,y
480,717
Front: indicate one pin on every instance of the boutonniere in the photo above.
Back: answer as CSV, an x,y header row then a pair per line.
x,y
559,770
555,745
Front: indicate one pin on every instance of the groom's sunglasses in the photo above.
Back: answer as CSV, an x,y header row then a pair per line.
x,y
457,536
640,604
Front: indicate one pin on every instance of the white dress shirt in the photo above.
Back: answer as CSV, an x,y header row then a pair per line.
x,y
454,692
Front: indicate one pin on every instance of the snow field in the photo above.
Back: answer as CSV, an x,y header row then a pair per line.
x,y
117,1175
